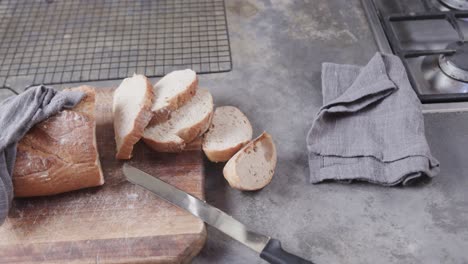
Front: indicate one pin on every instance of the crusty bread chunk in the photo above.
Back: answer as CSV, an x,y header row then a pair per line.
x,y
230,130
252,168
60,153
186,123
171,92
132,112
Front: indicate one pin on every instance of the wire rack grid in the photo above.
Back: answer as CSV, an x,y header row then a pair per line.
x,y
63,41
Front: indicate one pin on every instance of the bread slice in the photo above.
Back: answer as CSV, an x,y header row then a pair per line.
x,y
171,92
230,130
132,112
186,123
252,168
60,154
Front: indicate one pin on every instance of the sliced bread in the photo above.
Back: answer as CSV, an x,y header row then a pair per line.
x,y
186,123
132,112
252,168
230,130
171,92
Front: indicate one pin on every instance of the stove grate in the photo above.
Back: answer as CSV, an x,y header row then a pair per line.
x,y
452,17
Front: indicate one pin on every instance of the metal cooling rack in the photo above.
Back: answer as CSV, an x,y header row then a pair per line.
x,y
62,41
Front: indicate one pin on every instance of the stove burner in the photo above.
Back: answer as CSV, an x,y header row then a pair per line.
x,y
456,65
455,4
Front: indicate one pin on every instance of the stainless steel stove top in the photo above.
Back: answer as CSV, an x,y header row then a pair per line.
x,y
430,38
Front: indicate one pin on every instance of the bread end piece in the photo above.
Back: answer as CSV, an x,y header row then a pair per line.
x,y
131,107
252,168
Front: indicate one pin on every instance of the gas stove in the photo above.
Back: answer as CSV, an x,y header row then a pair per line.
x,y
430,38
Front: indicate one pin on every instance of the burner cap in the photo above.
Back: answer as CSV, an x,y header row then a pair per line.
x,y
455,4
456,65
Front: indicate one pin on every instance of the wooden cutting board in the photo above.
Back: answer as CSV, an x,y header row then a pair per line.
x,y
116,223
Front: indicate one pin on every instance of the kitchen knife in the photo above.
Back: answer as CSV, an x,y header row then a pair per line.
x,y
270,249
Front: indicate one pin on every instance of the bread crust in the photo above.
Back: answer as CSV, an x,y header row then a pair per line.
x,y
230,170
141,121
223,155
164,114
60,154
171,146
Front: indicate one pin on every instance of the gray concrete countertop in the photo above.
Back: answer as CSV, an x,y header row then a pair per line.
x,y
278,48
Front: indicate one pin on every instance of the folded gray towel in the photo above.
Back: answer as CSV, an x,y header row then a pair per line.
x,y
370,127
17,115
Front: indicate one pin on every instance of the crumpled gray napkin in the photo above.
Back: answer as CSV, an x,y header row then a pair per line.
x,y
370,127
17,115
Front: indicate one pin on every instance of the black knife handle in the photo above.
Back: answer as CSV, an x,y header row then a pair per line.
x,y
275,254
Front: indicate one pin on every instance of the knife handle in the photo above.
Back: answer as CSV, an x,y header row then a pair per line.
x,y
275,254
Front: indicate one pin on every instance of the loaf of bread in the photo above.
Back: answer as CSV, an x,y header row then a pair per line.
x,y
230,130
132,112
171,92
186,123
252,168
60,154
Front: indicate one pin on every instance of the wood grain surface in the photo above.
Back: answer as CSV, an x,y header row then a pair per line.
x,y
116,223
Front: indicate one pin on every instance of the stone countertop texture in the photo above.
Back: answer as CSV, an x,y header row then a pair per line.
x,y
278,48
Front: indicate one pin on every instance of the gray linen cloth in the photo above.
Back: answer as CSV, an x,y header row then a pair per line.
x,y
17,115
370,127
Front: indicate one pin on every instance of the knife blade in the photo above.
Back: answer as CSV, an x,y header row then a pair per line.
x,y
270,249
